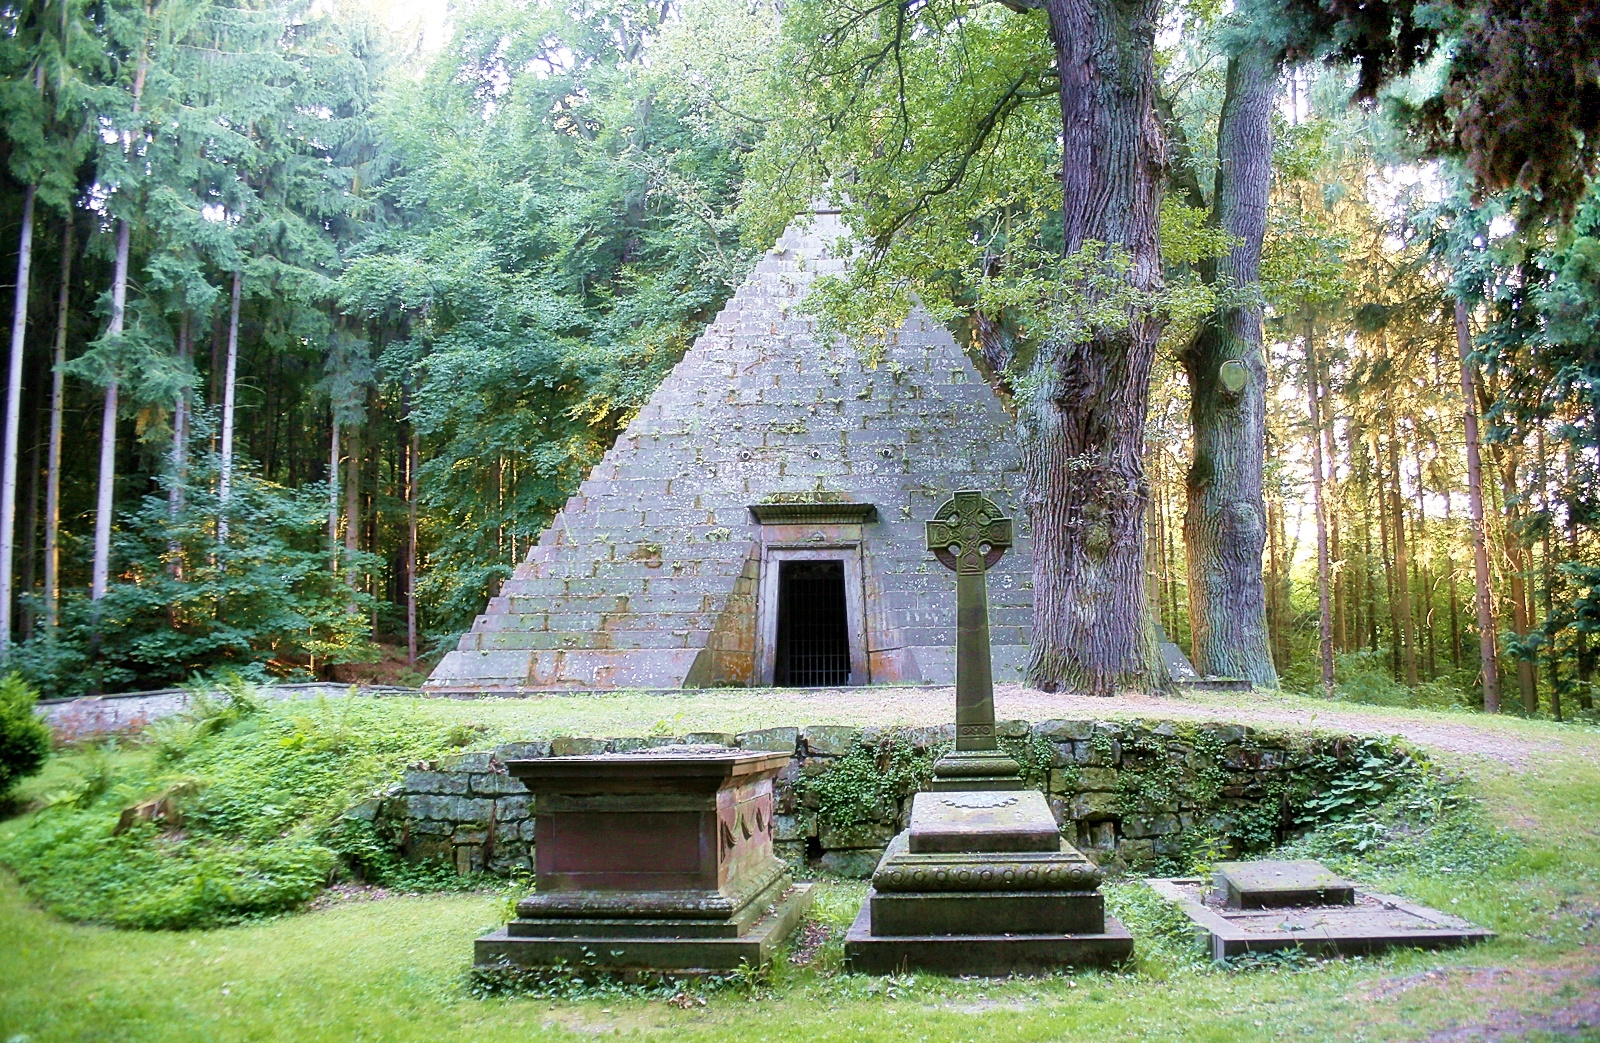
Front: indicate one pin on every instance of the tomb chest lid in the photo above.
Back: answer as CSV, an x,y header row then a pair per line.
x,y
661,771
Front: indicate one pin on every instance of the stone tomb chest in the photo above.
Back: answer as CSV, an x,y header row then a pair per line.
x,y
652,861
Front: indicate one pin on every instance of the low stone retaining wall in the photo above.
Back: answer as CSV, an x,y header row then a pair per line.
x,y
91,716
1128,794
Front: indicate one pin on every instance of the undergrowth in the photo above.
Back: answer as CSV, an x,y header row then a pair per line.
x,y
869,783
1431,825
226,812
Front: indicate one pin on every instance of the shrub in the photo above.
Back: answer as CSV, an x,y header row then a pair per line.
x,y
24,739
264,601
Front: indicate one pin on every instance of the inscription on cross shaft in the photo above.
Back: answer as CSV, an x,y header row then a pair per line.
x,y
968,534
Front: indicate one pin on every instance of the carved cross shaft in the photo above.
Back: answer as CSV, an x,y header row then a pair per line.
x,y
968,534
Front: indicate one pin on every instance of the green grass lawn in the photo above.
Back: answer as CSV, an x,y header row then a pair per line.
x,y
397,969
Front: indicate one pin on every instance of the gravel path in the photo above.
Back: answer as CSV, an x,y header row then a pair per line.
x,y
1513,742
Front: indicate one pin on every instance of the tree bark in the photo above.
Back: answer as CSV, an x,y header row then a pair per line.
x,y
229,381
1224,527
1324,612
1083,425
52,482
1480,543
8,484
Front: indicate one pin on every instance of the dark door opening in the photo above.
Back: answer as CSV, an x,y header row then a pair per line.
x,y
813,636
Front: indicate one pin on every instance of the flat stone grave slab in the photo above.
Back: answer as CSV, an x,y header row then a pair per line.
x,y
982,820
1370,923
1277,885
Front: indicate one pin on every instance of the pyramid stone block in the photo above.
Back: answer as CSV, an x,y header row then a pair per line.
x,y
657,573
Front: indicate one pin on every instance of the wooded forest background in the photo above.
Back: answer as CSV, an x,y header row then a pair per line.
x,y
323,325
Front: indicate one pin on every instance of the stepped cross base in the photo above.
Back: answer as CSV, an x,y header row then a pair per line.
x,y
982,883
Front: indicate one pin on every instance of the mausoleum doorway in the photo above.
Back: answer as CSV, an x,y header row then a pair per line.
x,y
811,622
813,637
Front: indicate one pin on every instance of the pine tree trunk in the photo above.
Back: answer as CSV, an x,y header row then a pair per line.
x,y
1424,569
1370,580
413,448
30,516
352,493
1380,480
180,425
229,381
1402,572
1224,527
180,452
1455,596
1580,640
1083,426
105,493
8,484
1516,573
1336,559
52,482
333,496
1547,578
1324,613
1480,543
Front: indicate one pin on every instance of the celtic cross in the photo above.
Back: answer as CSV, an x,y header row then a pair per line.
x,y
968,534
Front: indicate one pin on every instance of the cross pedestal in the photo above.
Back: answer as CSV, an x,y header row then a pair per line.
x,y
981,882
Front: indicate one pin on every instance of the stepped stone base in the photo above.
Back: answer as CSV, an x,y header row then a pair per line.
x,y
982,883
987,954
676,954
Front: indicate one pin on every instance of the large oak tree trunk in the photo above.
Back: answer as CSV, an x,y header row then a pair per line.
x,y
1083,420
1224,528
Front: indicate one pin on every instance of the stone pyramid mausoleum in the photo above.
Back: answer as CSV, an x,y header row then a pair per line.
x,y
761,520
